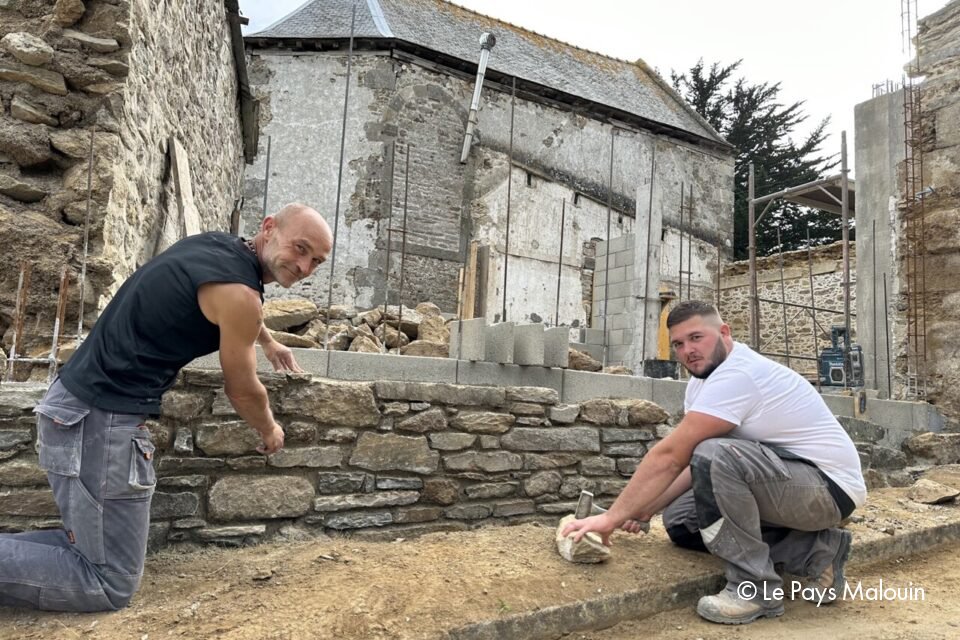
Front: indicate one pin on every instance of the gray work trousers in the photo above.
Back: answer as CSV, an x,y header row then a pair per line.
x,y
100,467
753,509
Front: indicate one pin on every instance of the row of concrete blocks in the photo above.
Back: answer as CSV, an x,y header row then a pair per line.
x,y
509,343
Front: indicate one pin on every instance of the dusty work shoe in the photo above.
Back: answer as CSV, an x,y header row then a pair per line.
x,y
828,587
727,607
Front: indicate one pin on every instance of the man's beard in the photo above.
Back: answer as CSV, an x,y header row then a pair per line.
x,y
716,359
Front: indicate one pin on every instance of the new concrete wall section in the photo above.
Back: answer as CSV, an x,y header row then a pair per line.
x,y
879,149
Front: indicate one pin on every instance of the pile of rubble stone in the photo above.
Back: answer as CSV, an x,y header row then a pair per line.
x,y
417,331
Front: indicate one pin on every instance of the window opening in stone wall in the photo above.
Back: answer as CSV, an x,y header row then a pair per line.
x,y
529,179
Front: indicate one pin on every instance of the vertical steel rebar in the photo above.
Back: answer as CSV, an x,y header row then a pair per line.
x,y
23,287
403,244
336,213
506,244
690,244
266,179
886,322
718,279
606,264
646,273
751,233
86,238
873,277
783,300
813,308
58,322
680,229
386,285
845,216
563,218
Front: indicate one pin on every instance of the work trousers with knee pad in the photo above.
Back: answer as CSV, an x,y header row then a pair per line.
x,y
754,509
100,467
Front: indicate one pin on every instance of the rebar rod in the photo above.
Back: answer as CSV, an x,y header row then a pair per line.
x,y
386,285
646,273
266,178
563,218
886,322
783,299
845,216
506,244
813,307
403,244
680,229
606,264
23,286
873,299
58,322
718,279
86,238
336,211
690,244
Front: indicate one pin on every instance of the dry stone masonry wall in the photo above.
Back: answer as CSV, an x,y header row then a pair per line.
x,y
147,77
359,457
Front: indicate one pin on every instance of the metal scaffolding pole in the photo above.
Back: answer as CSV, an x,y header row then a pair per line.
x,y
845,214
751,235
783,300
813,308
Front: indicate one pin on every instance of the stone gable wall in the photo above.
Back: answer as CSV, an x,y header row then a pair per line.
x,y
139,73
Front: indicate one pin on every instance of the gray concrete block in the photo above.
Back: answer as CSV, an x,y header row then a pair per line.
x,y
601,249
468,339
618,275
499,340
619,243
582,385
625,258
616,336
350,365
617,354
591,336
669,394
556,345
620,290
617,305
310,360
620,321
528,344
509,375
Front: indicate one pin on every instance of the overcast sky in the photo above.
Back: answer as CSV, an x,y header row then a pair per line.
x,y
827,53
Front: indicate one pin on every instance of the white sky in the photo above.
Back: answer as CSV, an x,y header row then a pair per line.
x,y
827,53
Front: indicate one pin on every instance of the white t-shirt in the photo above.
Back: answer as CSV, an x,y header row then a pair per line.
x,y
774,405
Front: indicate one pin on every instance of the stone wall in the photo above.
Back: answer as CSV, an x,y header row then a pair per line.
x,y
558,155
408,457
937,45
827,290
140,74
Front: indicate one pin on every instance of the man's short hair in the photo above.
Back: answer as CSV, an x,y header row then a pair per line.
x,y
690,308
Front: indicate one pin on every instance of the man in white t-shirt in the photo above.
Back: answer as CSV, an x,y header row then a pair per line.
x,y
759,472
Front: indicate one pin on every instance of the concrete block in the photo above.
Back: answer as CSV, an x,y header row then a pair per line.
x,y
619,243
617,354
615,336
601,249
350,365
618,305
528,344
591,336
582,385
467,339
508,375
499,340
625,258
669,394
556,344
618,275
620,290
310,360
620,321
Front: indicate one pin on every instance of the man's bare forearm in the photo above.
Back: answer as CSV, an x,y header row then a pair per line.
x,y
674,491
654,476
253,407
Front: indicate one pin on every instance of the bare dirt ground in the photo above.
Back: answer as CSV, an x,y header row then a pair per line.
x,y
937,616
351,588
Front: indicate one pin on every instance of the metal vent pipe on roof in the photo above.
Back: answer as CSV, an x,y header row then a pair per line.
x,y
487,42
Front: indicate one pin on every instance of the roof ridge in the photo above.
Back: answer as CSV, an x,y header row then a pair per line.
x,y
543,35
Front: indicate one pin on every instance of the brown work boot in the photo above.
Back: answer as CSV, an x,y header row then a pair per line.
x,y
728,607
828,587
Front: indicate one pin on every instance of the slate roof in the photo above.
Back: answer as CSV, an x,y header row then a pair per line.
x,y
448,29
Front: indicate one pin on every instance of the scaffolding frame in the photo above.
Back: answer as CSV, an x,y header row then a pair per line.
x,y
791,193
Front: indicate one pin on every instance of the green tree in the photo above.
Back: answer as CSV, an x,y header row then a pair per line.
x,y
752,119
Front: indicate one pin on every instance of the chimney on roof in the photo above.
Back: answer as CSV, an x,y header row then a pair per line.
x,y
487,41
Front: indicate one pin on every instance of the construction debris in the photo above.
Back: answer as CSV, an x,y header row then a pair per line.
x,y
580,361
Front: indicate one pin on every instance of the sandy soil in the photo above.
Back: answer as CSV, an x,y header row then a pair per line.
x,y
352,588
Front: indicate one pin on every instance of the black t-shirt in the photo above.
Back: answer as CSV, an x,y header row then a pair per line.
x,y
153,326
